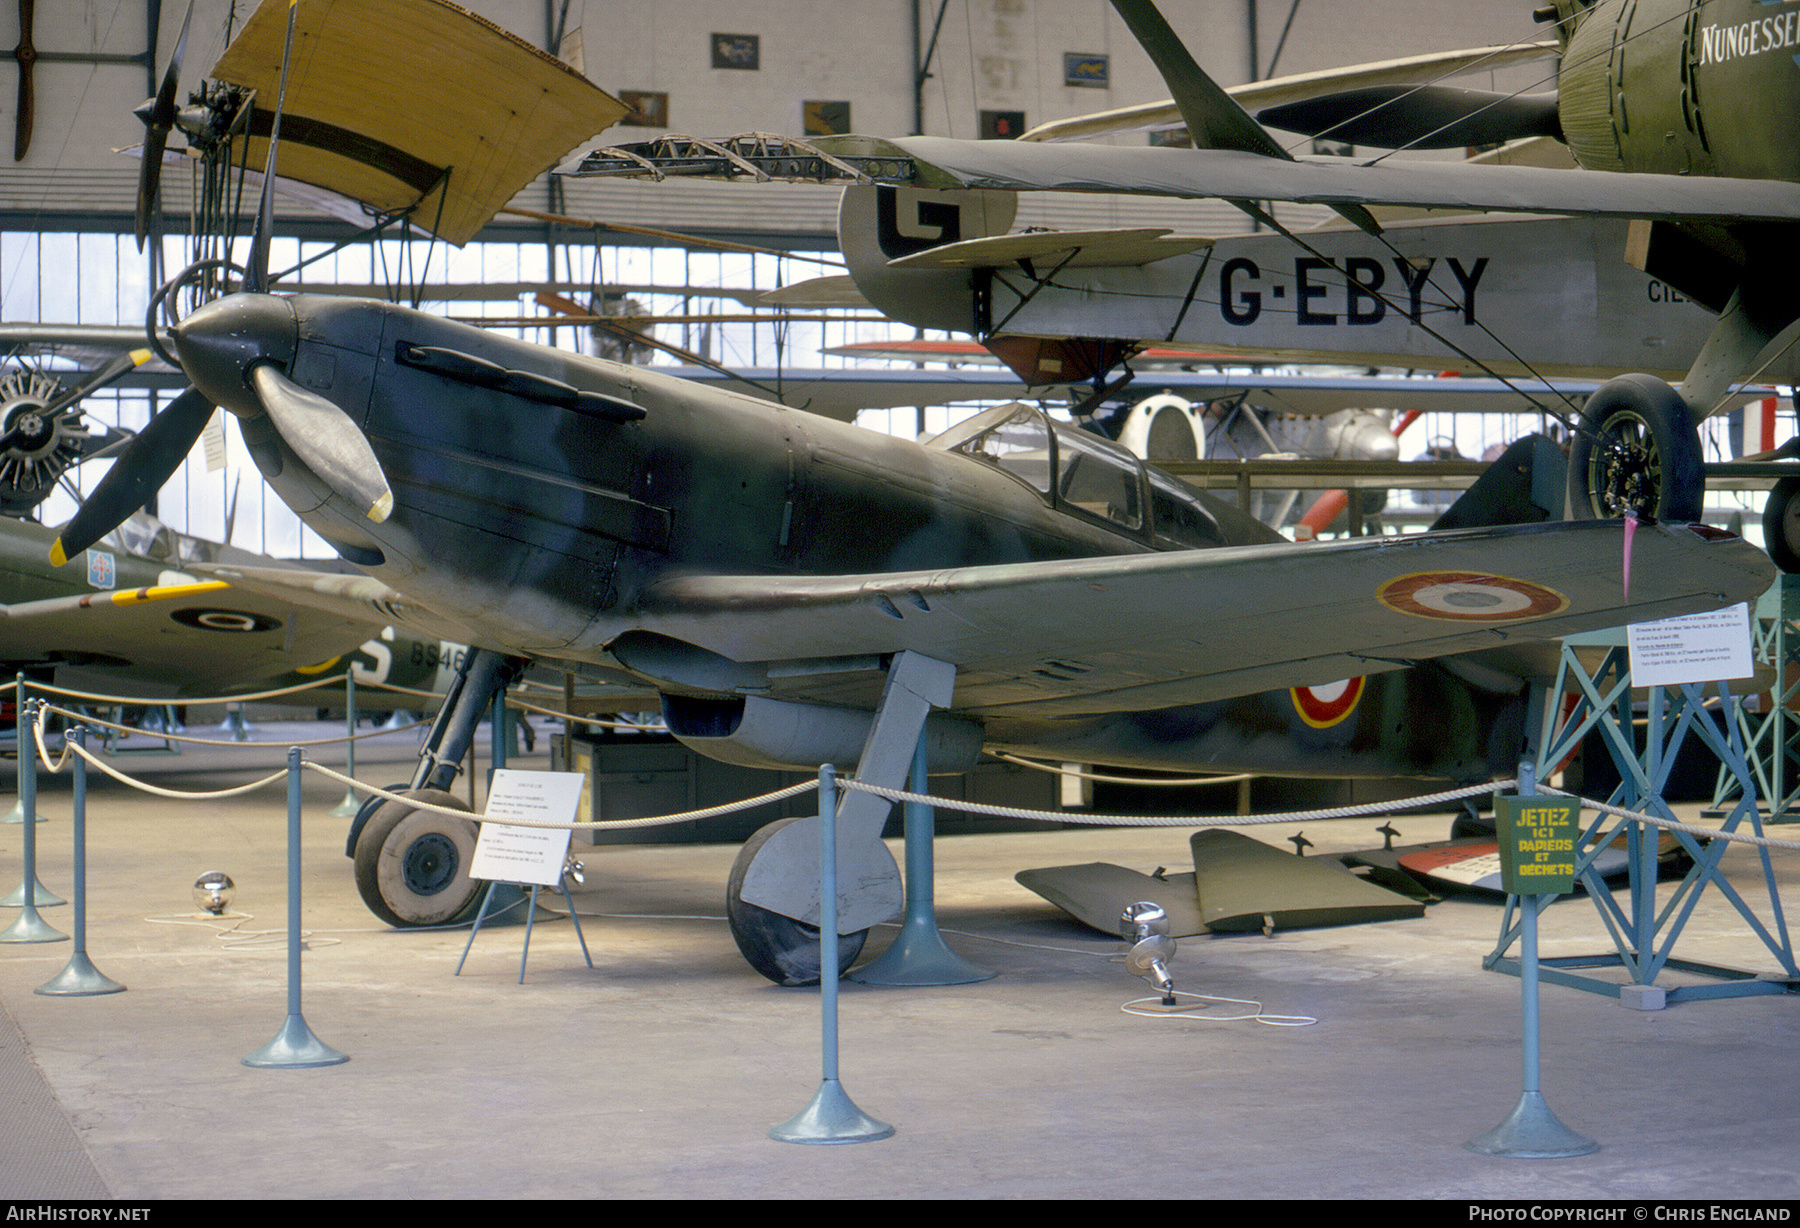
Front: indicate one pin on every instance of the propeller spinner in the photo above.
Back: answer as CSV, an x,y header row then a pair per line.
x,y
234,350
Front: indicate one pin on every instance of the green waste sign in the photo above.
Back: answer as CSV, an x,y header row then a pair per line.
x,y
1538,838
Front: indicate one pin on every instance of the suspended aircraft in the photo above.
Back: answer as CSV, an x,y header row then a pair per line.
x,y
800,591
1669,257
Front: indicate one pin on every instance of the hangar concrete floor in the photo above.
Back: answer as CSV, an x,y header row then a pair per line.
x,y
658,1073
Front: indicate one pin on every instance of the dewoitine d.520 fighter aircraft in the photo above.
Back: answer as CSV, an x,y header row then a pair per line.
x,y
800,591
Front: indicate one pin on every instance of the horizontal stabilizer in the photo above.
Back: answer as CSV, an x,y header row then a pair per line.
x,y
1096,894
1244,884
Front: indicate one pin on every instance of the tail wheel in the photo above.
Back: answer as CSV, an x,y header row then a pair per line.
x,y
412,865
1781,524
786,951
1636,450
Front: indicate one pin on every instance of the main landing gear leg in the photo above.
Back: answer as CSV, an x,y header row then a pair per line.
x,y
773,897
412,866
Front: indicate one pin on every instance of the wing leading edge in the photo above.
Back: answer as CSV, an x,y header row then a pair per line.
x,y
945,163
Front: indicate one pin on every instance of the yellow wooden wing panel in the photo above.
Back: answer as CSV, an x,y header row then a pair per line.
x,y
417,87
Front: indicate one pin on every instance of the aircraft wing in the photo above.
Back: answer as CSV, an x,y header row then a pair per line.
x,y
1326,394
486,112
841,392
945,163
171,640
352,597
1160,630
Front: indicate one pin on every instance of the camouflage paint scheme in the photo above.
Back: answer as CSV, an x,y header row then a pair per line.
x,y
719,548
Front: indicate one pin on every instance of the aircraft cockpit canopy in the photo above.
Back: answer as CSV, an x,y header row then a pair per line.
x,y
1086,474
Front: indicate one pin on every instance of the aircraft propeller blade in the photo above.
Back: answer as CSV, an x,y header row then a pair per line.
x,y
1419,117
325,440
142,468
158,115
120,365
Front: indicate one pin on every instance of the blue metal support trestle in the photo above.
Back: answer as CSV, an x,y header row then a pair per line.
x,y
1644,935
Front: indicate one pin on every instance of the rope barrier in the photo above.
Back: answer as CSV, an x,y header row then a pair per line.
x,y
335,680
84,719
665,820
137,700
1060,770
1176,820
901,795
37,730
1711,833
526,706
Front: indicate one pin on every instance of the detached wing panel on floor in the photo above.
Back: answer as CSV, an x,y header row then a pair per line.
x,y
1159,630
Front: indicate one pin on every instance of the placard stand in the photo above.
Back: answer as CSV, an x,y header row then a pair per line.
x,y
487,898
1770,740
521,856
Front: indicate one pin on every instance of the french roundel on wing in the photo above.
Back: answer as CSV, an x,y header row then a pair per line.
x,y
1469,596
1324,706
234,622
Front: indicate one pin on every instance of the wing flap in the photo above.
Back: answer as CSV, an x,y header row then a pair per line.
x,y
1151,631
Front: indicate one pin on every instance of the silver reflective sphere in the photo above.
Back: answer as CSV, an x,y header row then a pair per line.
x,y
213,892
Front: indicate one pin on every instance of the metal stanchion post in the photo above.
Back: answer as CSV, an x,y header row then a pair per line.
x,y
918,955
294,1044
1531,1131
30,927
79,978
347,808
17,813
832,1117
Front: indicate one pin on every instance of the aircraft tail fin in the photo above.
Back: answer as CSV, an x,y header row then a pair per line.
x,y
1525,486
877,225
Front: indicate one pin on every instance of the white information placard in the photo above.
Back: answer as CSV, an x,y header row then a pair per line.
x,y
510,854
1692,648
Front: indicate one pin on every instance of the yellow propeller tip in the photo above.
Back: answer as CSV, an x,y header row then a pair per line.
x,y
384,507
57,557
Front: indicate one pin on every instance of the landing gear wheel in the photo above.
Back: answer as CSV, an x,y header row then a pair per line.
x,y
1636,450
782,949
412,866
1781,524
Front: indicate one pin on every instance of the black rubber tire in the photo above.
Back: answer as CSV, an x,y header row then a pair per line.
x,y
784,950
1636,448
412,866
1781,524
